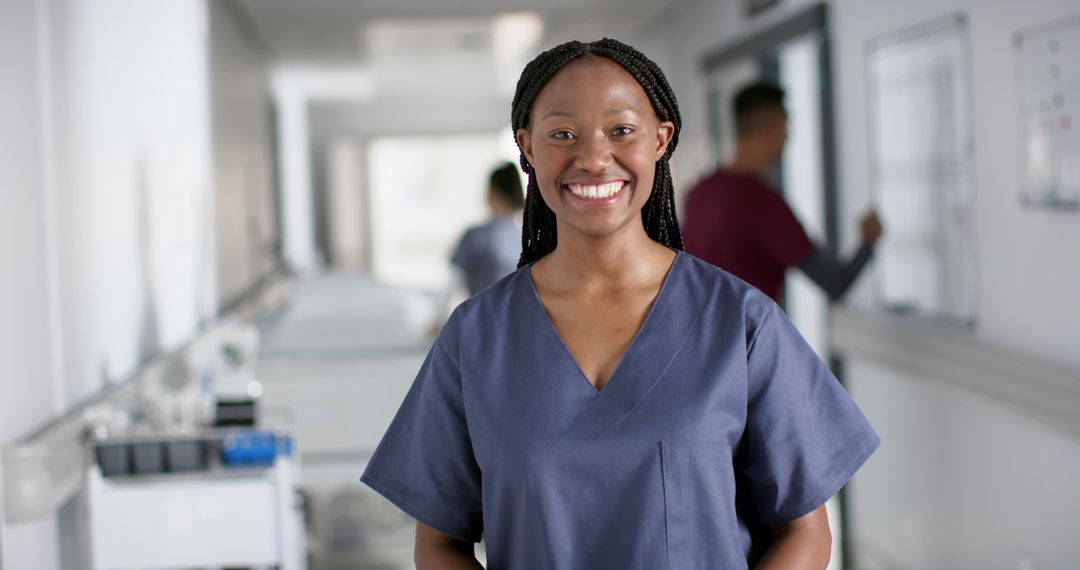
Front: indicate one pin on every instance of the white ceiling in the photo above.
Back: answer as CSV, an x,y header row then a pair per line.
x,y
423,66
334,32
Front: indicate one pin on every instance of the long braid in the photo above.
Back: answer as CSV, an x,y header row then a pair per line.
x,y
539,236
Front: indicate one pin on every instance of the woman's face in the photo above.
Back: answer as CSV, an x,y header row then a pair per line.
x,y
593,141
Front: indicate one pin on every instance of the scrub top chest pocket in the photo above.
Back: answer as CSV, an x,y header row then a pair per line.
x,y
699,505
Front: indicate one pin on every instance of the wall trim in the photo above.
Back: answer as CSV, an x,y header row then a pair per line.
x,y
944,354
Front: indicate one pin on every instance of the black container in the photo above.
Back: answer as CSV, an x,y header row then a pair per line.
x,y
148,458
114,459
235,413
186,455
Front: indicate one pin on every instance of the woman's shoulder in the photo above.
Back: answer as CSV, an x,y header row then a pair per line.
x,y
732,287
723,299
731,302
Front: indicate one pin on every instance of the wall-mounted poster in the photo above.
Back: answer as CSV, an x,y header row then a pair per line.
x,y
921,148
1048,61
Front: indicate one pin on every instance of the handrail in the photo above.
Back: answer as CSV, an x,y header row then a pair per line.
x,y
939,352
43,469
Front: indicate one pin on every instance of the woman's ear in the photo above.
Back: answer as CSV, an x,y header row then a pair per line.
x,y
524,142
664,131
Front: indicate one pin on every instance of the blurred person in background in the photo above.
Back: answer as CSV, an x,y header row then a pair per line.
x,y
735,220
490,251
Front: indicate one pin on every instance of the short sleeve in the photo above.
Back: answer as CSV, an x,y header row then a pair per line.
x,y
425,463
464,250
783,237
804,437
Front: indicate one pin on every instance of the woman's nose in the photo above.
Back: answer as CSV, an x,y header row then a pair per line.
x,y
594,154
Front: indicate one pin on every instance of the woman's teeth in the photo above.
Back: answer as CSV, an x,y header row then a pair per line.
x,y
600,191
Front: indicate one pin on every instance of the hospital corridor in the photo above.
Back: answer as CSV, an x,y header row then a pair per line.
x,y
561,285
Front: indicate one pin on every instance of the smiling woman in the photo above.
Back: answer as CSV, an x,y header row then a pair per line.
x,y
616,403
641,91
593,147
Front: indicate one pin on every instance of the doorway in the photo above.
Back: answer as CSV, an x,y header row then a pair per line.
x,y
791,49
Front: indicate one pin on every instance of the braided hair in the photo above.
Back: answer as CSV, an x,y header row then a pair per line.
x,y
538,236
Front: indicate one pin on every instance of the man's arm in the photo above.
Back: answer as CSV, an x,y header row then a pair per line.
x,y
834,277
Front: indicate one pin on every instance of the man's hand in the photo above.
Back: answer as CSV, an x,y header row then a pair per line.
x,y
871,227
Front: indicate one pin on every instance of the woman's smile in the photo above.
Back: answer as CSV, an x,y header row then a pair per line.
x,y
593,194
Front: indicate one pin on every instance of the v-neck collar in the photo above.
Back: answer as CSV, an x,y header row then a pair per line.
x,y
660,299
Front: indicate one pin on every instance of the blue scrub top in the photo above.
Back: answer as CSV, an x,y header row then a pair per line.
x,y
719,419
488,252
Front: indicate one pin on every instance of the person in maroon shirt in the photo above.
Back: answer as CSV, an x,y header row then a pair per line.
x,y
736,221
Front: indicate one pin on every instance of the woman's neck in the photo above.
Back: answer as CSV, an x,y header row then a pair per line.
x,y
625,259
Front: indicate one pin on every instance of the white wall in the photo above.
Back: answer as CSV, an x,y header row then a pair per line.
x,y
107,211
959,482
108,170
132,146
1027,277
110,136
242,130
27,392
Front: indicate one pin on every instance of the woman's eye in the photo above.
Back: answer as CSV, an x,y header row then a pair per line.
x,y
563,135
622,131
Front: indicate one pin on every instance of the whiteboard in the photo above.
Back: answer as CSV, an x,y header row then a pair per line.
x,y
921,148
1049,99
